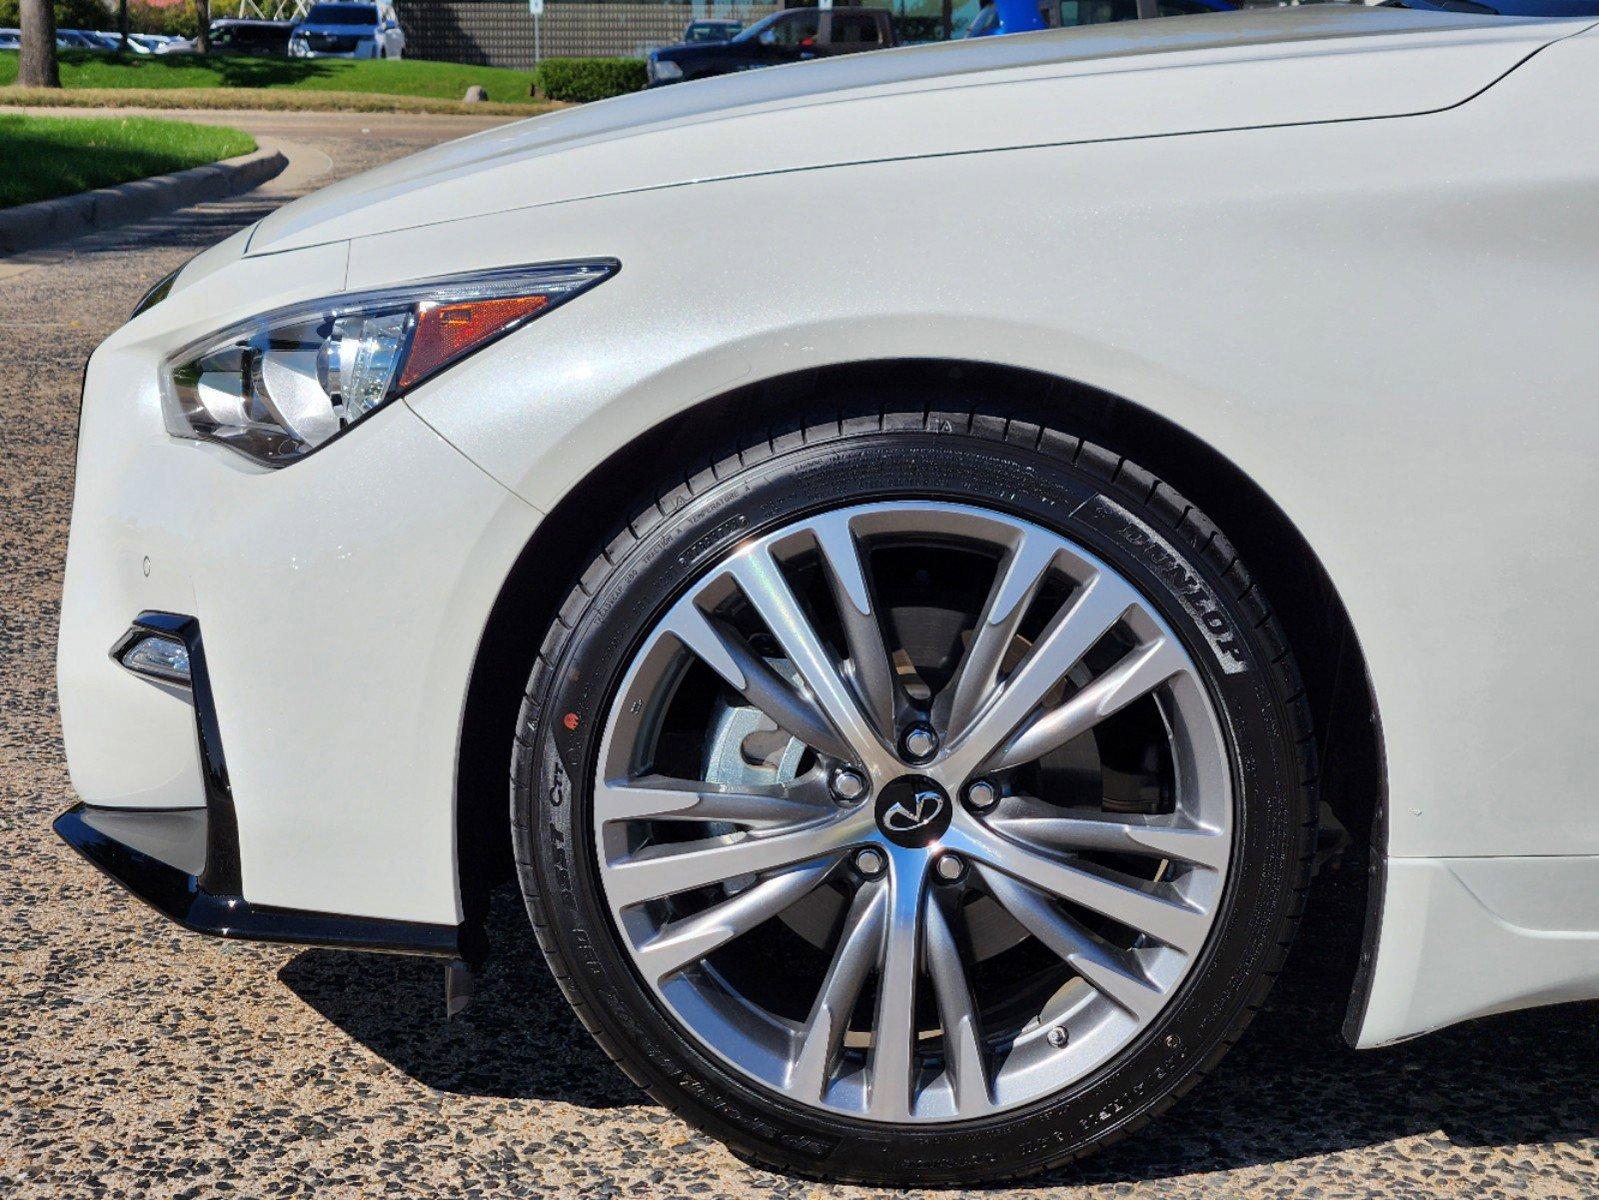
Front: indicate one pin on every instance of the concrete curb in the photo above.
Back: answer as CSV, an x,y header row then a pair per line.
x,y
30,225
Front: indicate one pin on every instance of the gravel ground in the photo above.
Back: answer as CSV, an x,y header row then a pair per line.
x,y
140,1060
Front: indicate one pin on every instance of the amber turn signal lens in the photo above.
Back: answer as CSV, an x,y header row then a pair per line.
x,y
444,332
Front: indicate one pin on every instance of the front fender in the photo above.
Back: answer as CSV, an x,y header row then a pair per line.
x,y
1309,302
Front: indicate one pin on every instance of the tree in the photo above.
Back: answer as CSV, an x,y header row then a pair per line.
x,y
202,10
122,24
38,67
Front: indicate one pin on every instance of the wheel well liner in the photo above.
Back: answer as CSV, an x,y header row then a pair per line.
x,y
1279,558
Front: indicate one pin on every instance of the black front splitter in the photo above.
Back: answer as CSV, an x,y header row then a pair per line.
x,y
178,895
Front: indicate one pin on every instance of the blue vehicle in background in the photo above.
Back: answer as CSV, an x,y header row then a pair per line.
x,y
1023,16
1503,8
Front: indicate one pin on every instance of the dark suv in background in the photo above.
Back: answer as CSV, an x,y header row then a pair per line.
x,y
268,39
794,35
712,31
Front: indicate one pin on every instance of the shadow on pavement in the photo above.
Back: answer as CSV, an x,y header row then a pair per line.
x,y
192,229
1291,1089
518,1040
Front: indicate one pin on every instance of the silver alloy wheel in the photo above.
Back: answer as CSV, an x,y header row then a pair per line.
x,y
695,870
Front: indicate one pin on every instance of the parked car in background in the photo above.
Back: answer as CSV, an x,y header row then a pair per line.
x,y
712,31
794,35
1025,16
262,39
10,39
152,42
75,39
348,31
110,39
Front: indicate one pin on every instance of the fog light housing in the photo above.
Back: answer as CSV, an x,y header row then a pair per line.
x,y
154,656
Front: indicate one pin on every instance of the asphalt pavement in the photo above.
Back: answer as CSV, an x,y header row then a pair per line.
x,y
140,1060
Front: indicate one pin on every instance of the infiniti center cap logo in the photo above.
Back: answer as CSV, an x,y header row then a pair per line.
x,y
913,811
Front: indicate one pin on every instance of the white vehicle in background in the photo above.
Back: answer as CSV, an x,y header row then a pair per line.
x,y
916,661
348,31
97,39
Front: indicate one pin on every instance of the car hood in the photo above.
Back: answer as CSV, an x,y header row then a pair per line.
x,y
677,48
1175,75
337,30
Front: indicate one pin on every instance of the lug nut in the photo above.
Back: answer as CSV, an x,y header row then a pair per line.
x,y
982,795
870,863
1058,1036
848,785
919,742
949,868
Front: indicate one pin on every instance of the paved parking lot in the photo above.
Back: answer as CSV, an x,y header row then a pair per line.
x,y
138,1060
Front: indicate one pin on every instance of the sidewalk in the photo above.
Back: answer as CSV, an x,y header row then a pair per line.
x,y
320,147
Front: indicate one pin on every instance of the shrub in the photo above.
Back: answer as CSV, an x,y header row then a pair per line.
x,y
919,29
583,79
173,20
70,14
178,20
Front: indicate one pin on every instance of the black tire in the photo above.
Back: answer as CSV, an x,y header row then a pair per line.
x,y
1104,502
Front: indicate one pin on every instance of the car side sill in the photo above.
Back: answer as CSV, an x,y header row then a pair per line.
x,y
1469,937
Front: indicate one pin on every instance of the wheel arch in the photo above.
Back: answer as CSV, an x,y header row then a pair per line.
x,y
1304,597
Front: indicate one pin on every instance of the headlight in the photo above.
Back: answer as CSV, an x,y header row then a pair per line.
x,y
279,385
665,69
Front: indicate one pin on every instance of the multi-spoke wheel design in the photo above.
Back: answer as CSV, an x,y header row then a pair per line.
x,y
913,811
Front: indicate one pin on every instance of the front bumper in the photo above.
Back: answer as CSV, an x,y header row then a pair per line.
x,y
182,896
342,600
184,862
361,50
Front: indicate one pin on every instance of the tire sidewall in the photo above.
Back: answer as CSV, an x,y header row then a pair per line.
x,y
569,701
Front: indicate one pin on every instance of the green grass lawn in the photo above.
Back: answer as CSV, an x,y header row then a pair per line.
x,y
57,156
439,81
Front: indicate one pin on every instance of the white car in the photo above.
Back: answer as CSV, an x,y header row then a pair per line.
x,y
912,654
348,31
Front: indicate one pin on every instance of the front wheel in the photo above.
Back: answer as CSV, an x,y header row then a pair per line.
x,y
915,799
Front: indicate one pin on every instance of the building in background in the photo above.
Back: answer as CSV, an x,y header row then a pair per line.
x,y
499,33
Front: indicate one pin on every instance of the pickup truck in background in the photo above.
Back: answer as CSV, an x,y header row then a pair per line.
x,y
794,35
